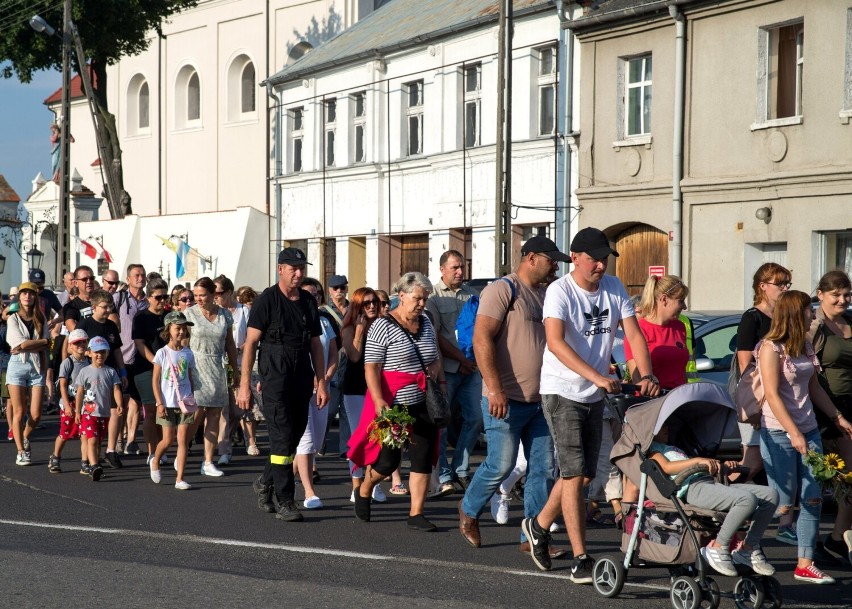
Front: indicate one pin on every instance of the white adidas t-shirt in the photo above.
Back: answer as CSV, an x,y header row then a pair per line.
x,y
590,322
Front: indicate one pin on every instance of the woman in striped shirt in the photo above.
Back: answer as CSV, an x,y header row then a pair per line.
x,y
391,363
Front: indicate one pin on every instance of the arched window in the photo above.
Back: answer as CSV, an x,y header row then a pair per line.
x,y
187,96
247,89
193,98
138,106
144,117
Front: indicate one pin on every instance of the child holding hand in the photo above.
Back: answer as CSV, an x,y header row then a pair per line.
x,y
740,501
69,428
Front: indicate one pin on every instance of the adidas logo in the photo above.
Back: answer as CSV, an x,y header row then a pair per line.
x,y
596,319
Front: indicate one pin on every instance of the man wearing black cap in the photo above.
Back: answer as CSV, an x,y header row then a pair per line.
x,y
285,323
508,341
47,298
581,313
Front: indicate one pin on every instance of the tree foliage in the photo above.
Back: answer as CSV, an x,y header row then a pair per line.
x,y
109,30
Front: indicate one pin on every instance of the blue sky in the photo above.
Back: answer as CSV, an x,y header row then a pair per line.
x,y
25,129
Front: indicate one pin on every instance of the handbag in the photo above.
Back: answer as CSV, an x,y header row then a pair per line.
x,y
187,404
437,406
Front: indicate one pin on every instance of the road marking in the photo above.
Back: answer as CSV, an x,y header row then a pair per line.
x,y
335,553
41,490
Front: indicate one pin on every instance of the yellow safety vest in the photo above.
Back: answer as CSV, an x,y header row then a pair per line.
x,y
691,367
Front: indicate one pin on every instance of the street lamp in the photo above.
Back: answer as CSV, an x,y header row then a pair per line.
x,y
34,258
62,234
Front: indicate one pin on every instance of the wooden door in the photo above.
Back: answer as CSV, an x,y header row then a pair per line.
x,y
640,247
415,254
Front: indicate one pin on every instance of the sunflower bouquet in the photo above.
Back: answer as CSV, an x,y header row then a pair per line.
x,y
392,427
828,471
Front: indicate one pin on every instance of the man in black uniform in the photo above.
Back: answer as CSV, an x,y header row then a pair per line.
x,y
284,320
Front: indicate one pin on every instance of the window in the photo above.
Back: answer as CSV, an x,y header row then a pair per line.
x,y
359,126
472,76
784,72
138,106
187,109
637,96
837,251
296,116
547,91
247,89
330,128
144,117
193,98
414,115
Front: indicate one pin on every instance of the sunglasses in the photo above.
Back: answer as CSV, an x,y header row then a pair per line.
x,y
219,293
340,287
160,297
385,303
370,303
111,282
186,299
89,278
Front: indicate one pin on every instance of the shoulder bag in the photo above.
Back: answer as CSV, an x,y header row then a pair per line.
x,y
187,403
437,406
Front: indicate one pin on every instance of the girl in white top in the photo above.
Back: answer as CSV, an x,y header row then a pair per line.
x,y
174,362
27,335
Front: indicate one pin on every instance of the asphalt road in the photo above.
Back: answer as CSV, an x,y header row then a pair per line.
x,y
124,542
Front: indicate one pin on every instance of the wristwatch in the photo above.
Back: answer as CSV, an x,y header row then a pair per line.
x,y
650,377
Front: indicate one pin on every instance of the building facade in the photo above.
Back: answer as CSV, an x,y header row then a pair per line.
x,y
765,95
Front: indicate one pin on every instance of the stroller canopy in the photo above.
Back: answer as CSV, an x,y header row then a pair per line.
x,y
699,416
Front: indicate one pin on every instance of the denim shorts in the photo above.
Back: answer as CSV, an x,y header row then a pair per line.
x,y
576,429
22,373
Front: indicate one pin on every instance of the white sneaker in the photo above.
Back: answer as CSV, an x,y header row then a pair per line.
x,y
208,469
379,495
554,528
754,560
183,485
224,459
500,507
719,560
352,497
23,459
156,476
312,503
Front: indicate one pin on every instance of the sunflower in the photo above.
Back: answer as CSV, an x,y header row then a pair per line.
x,y
834,461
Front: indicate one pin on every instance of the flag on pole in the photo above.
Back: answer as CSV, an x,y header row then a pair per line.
x,y
168,243
182,252
87,249
102,253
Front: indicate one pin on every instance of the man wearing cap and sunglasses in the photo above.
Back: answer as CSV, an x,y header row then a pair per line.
x,y
284,321
336,307
582,311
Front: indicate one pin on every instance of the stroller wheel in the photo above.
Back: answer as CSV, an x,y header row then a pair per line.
x,y
748,593
711,596
608,576
686,593
773,599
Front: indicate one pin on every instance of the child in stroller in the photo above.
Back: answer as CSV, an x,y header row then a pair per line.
x,y
741,502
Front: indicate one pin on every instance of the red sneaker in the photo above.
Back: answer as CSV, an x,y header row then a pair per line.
x,y
812,575
10,436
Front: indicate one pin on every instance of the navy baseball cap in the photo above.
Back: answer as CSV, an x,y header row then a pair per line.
x,y
292,256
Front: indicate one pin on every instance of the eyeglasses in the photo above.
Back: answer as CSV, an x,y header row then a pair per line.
x,y
186,299
370,303
340,287
111,282
784,285
160,297
89,278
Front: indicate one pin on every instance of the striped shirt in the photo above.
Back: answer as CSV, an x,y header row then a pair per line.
x,y
387,344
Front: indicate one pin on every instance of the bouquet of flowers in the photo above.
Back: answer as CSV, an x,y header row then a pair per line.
x,y
392,427
828,471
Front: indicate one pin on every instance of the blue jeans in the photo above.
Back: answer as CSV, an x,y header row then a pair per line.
x,y
525,424
790,476
467,390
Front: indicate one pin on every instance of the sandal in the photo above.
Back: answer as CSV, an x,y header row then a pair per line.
x,y
599,518
399,489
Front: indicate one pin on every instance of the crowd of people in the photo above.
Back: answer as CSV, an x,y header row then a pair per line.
x,y
209,363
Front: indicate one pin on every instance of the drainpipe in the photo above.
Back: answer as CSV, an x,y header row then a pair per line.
x,y
277,154
566,76
677,147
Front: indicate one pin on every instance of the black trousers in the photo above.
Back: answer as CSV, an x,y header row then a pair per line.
x,y
286,419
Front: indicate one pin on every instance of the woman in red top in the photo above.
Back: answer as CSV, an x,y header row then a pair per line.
x,y
663,300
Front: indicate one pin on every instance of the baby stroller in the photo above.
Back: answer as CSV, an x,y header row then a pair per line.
x,y
664,531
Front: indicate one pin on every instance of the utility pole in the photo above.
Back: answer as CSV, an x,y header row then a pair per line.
x,y
62,220
503,156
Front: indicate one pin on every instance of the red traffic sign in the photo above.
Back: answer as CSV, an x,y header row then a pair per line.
x,y
657,271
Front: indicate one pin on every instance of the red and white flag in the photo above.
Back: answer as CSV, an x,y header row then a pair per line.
x,y
102,252
87,249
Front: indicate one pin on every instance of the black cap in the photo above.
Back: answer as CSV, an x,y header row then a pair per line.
x,y
593,242
338,281
543,245
292,256
36,275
